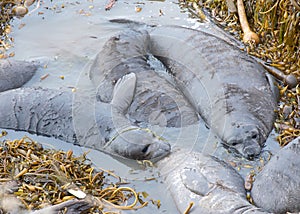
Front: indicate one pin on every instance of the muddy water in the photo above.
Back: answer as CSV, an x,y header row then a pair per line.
x,y
65,36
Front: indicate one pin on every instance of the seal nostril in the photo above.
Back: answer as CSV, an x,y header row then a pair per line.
x,y
234,143
145,149
254,136
250,153
251,156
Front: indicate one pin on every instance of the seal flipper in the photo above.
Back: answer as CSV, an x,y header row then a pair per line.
x,y
124,92
272,82
14,74
195,181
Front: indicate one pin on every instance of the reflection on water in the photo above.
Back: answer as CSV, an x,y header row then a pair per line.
x,y
64,37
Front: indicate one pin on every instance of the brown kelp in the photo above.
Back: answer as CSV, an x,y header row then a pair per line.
x,y
276,22
288,121
46,177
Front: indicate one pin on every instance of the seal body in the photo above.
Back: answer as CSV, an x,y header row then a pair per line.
x,y
277,186
156,101
50,113
227,87
40,111
54,113
211,184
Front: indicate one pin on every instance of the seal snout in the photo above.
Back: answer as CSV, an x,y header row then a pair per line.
x,y
251,150
158,149
252,147
247,144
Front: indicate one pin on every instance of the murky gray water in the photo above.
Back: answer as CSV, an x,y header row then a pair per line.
x,y
66,39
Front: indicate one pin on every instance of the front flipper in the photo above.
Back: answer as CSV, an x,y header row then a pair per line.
x,y
273,85
195,181
124,92
122,98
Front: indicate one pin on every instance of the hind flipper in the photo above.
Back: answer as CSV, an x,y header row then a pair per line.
x,y
273,85
14,74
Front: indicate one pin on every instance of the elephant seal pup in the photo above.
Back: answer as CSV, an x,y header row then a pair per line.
x,y
49,112
211,184
277,186
156,101
228,88
14,74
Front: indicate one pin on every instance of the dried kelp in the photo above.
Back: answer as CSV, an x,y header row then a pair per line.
x,y
8,10
276,22
46,177
288,121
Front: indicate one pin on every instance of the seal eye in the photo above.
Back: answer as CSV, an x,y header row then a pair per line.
x,y
234,142
145,149
254,136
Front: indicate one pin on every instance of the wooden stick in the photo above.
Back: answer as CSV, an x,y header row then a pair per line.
x,y
290,80
110,4
71,207
188,209
249,35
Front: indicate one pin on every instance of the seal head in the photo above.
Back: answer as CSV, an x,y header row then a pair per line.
x,y
127,140
245,139
139,144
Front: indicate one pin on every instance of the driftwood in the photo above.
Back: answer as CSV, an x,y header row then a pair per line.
x,y
74,206
110,4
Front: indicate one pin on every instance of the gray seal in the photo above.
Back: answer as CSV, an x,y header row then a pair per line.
x,y
210,184
215,187
49,113
277,186
227,87
156,100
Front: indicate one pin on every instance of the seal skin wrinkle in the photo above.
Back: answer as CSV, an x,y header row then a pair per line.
x,y
228,88
39,111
